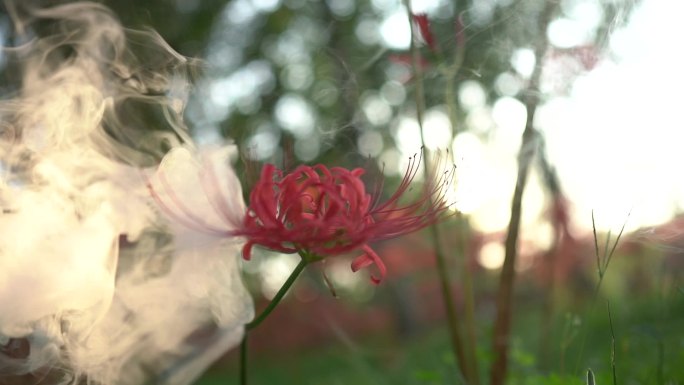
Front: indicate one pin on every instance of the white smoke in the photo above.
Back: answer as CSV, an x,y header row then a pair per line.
x,y
95,284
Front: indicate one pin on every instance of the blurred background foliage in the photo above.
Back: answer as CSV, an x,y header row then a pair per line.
x,y
330,81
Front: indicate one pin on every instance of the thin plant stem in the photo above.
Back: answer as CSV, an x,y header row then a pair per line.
x,y
605,253
602,264
445,281
612,250
560,240
468,306
612,345
452,319
470,335
264,313
596,247
504,300
590,377
279,295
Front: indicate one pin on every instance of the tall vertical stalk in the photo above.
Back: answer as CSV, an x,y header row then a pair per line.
x,y
504,305
445,281
561,237
612,345
470,332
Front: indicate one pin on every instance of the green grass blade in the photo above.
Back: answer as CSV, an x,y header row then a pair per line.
x,y
590,377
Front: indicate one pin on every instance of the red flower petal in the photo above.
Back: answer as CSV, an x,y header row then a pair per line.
x,y
247,250
370,257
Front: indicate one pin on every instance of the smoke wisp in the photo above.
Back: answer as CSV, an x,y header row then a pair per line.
x,y
96,285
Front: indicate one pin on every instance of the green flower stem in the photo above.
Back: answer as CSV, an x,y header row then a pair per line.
x,y
306,258
279,295
243,360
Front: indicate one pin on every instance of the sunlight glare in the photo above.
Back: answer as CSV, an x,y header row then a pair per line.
x,y
395,30
491,255
468,157
436,129
617,139
295,114
523,61
407,135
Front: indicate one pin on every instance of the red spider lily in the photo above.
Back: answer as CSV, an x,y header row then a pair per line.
x,y
316,211
325,212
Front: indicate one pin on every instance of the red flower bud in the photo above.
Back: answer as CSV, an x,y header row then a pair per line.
x,y
423,24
